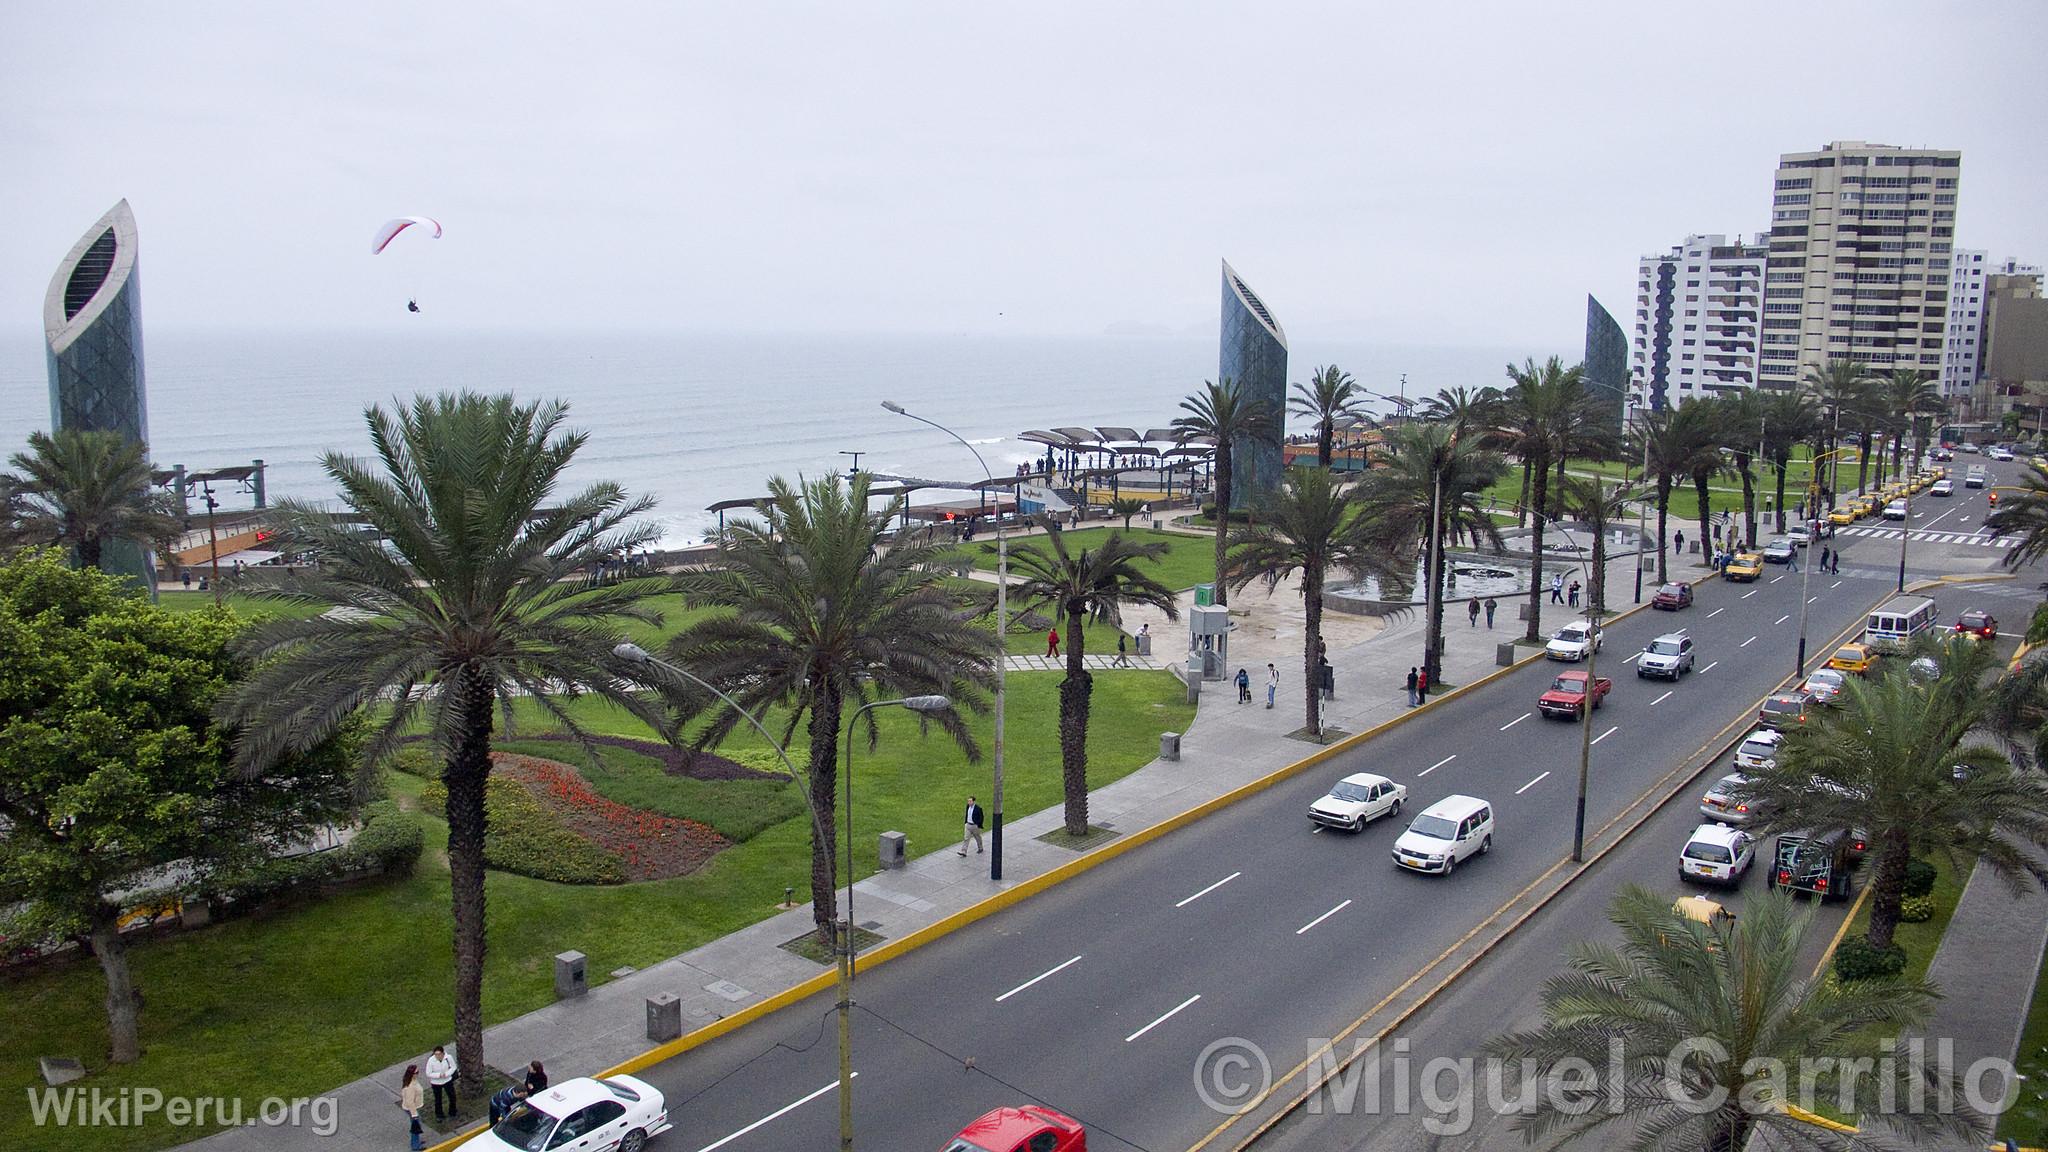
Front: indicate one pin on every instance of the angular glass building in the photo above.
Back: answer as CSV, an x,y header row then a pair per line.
x,y
92,323
1606,362
1254,355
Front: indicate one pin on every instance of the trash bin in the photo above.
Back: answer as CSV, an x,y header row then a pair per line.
x,y
1144,642
1169,745
893,848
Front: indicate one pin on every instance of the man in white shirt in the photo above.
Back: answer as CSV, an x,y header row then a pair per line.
x,y
441,1078
973,827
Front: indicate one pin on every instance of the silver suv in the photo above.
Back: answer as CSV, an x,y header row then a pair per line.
x,y
1669,656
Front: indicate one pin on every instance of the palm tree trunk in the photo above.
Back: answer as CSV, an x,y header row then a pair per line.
x,y
466,776
1311,649
89,551
1539,497
1748,496
1699,487
1522,509
1596,596
1663,514
1781,466
824,734
1075,690
1888,886
1326,436
124,1006
1223,479
1862,459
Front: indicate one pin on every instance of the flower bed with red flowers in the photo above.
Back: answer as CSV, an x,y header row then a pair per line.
x,y
650,845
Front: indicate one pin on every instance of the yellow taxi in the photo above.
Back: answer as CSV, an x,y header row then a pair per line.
x,y
1745,567
1854,657
1843,514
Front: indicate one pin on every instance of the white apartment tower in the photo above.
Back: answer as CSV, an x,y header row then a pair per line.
x,y
1964,353
1859,259
1698,309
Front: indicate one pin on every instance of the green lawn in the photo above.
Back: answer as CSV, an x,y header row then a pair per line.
x,y
246,606
2027,1120
1189,560
297,1001
1920,940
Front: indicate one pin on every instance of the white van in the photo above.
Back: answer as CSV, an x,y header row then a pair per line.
x,y
1454,828
1895,622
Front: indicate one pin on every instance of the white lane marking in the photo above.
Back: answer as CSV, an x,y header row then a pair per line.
x,y
1836,584
1040,976
1606,734
1530,784
1781,619
1317,920
1631,659
775,1115
1660,699
1516,720
1813,599
1751,592
1747,643
1715,612
1162,1019
1209,889
1774,579
1437,765
1710,667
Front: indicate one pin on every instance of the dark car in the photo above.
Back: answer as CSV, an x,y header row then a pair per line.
x,y
1982,625
1784,710
1673,596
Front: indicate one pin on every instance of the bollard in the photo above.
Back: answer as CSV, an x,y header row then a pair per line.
x,y
1169,745
570,981
664,1017
1504,654
894,848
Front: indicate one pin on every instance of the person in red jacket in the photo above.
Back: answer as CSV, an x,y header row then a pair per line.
x,y
1052,644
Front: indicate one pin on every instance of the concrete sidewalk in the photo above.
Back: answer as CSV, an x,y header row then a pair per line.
x,y
1985,968
1227,746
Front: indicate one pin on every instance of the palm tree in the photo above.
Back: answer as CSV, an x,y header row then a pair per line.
x,y
2019,703
1904,396
83,490
1329,396
1469,411
1429,487
1838,387
2024,515
1597,505
1789,421
1126,507
1313,525
1899,759
1681,442
1743,433
1224,414
820,612
474,604
1539,411
1697,1020
1078,588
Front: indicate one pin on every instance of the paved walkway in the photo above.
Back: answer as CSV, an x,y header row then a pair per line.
x,y
1226,746
1985,968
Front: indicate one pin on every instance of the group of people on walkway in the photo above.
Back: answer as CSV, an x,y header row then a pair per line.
x,y
439,1074
1418,686
1244,685
1558,592
1472,611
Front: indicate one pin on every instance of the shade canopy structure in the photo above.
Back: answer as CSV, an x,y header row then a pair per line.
x,y
1040,436
1112,432
1081,436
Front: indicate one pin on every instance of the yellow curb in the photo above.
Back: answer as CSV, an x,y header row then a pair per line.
x,y
1841,933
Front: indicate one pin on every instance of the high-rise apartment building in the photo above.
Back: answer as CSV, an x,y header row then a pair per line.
x,y
1698,307
1963,357
1861,236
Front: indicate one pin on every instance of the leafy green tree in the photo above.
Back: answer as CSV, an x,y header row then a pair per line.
x,y
2019,702
1430,487
1312,525
1329,396
1077,588
1223,414
1711,1027
476,602
84,490
1901,760
2023,514
115,787
822,612
1540,410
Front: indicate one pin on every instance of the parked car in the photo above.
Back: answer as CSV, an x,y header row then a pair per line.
x,y
1780,551
1448,832
1844,514
1720,803
1745,567
1799,534
1358,800
1783,710
1566,696
1817,864
1853,657
1032,1128
1759,750
1824,685
1669,656
1943,488
619,1112
1896,510
1673,596
1716,854
1982,625
1574,641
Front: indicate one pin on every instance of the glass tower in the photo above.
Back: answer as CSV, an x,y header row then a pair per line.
x,y
1254,355
1606,362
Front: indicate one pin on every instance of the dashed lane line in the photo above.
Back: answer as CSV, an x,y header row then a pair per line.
x,y
1516,720
1317,920
1530,784
1209,889
1162,1019
1034,980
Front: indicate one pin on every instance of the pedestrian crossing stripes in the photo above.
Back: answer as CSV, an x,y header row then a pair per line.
x,y
1978,538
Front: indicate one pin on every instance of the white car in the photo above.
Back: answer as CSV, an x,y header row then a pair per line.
x,y
1896,510
1757,752
1974,478
1719,805
1716,854
2000,453
1799,534
583,1115
1780,551
1454,828
1358,800
1943,488
1574,641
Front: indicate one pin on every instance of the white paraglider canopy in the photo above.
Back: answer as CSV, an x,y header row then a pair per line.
x,y
399,224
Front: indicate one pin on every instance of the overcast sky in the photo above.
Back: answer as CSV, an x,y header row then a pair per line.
x,y
1414,172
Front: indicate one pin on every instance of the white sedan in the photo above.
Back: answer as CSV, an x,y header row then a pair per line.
x,y
585,1115
1574,641
1716,854
1358,800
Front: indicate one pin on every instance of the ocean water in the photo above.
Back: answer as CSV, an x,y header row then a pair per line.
x,y
688,418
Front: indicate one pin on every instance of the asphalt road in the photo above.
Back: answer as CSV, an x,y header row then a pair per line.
x,y
1247,924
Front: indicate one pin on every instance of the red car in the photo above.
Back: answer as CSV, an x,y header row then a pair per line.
x,y
1673,596
1982,625
1031,1128
1567,695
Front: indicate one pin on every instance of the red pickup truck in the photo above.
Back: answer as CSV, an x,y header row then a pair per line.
x,y
1567,695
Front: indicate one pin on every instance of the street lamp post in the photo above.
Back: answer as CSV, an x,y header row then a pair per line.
x,y
995,830
1642,509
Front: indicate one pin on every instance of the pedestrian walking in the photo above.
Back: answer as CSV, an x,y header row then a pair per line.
x,y
1327,677
1422,686
1823,559
1472,612
1679,536
411,1097
1052,644
1123,659
1792,565
972,832
1413,699
441,1077
1244,686
1557,588
536,1077
1491,604
1272,684
504,1100
1572,594
1835,564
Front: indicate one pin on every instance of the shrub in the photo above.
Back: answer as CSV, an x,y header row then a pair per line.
x,y
1858,959
1916,909
388,844
1919,878
523,837
417,759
